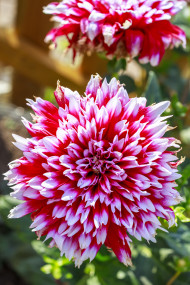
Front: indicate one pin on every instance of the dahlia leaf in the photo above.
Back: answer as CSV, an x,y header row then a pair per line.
x,y
179,214
152,91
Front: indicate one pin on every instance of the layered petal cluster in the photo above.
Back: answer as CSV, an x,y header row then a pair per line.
x,y
95,170
122,28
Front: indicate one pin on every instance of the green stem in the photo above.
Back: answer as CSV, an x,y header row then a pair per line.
x,y
174,277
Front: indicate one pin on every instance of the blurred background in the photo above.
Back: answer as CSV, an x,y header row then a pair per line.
x,y
28,67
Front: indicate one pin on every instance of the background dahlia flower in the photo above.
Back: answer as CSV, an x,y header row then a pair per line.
x,y
95,169
118,27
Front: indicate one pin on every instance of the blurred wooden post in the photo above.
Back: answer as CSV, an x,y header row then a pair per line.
x,y
32,25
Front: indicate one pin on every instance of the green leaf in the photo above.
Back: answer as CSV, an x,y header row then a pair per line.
x,y
186,174
133,279
56,272
47,269
48,260
179,214
93,281
129,83
69,275
152,90
178,108
83,280
90,269
116,65
49,95
185,136
182,264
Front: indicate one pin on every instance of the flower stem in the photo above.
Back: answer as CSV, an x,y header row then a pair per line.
x,y
174,277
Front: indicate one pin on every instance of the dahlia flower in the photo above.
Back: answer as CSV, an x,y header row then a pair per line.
x,y
122,28
95,170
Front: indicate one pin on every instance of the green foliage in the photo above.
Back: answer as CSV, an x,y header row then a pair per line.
x,y
179,213
184,187
177,109
152,90
114,66
128,82
49,95
56,267
185,176
15,246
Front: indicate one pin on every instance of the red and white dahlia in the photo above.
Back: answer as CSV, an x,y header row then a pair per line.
x,y
118,27
96,169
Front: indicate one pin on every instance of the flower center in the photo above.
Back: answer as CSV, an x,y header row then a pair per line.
x,y
98,164
100,161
